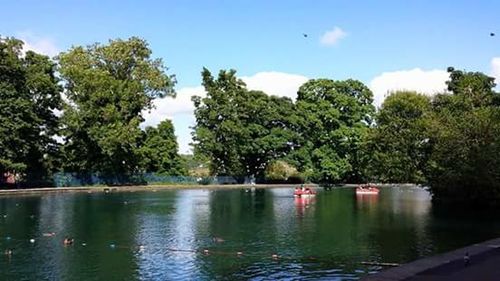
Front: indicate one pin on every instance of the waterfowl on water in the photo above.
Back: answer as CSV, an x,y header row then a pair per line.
x,y
68,241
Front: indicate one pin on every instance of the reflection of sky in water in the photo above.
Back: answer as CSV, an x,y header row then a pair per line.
x,y
288,209
416,203
51,219
408,208
294,222
162,234
284,210
410,200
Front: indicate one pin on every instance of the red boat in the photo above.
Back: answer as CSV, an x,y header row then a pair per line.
x,y
367,189
303,192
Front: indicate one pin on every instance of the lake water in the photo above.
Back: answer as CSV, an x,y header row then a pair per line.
x,y
197,234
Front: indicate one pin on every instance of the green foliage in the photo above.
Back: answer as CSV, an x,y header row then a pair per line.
x,y
159,151
336,116
465,162
465,133
239,130
451,142
472,89
197,165
399,144
281,171
29,95
108,86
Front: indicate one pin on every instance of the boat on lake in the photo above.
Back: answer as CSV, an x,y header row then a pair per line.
x,y
367,189
304,192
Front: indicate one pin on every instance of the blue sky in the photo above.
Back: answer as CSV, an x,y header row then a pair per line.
x,y
391,37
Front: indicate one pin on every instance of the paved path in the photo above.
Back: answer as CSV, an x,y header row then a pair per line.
x,y
484,265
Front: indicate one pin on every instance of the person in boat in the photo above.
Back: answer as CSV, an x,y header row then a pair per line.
x,y
307,190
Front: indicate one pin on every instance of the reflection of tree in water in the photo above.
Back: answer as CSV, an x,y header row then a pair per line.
x,y
100,220
467,225
394,224
19,220
77,215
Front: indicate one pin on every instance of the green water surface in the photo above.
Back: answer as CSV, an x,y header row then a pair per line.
x,y
197,234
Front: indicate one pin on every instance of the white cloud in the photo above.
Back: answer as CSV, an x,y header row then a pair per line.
x,y
423,81
180,110
169,108
495,69
41,45
276,83
272,83
331,37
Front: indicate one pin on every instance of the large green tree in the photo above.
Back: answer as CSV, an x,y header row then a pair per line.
x,y
465,136
159,150
29,97
399,144
107,87
240,130
335,118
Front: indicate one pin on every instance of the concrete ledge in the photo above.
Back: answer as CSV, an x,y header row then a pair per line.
x,y
450,262
89,189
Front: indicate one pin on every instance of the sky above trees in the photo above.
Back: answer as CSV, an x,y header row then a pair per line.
x,y
388,45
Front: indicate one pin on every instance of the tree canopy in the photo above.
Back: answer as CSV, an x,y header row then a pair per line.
x,y
451,142
465,137
399,144
107,87
335,117
159,151
29,97
240,130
